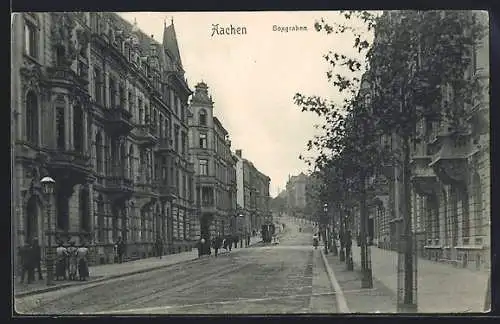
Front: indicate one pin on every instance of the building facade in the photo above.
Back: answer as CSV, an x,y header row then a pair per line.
x,y
450,181
101,108
252,196
215,172
296,190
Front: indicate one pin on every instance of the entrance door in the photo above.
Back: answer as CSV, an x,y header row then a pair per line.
x,y
31,219
205,222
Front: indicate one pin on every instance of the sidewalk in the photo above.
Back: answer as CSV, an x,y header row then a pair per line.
x,y
441,288
379,299
110,271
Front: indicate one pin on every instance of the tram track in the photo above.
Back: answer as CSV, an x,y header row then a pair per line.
x,y
180,286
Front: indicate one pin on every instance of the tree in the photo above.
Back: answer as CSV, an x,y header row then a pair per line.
x,y
415,70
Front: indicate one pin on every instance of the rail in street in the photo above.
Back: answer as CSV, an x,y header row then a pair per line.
x,y
272,279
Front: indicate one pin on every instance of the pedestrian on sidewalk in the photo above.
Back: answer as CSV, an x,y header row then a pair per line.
x,y
83,265
120,249
248,239
27,262
159,247
73,261
61,255
199,246
37,255
235,241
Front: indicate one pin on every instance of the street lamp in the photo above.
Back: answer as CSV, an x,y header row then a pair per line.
x,y
325,238
48,189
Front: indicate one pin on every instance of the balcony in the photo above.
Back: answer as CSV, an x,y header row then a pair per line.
x,y
165,145
167,192
146,136
449,158
72,165
423,178
147,188
208,207
61,76
118,121
118,187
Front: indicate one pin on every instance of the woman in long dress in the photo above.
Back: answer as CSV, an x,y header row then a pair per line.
x,y
83,268
72,251
62,254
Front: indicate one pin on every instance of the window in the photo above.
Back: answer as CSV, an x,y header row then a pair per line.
x,y
203,117
32,118
98,154
60,128
203,167
203,141
30,39
84,210
98,86
478,207
131,162
112,92
122,97
176,138
102,230
78,128
183,140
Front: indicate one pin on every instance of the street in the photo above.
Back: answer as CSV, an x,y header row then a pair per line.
x,y
274,279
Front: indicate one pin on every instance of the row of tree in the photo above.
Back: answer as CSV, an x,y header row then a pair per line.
x,y
416,69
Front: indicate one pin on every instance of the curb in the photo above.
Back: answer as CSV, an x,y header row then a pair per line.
x,y
106,278
341,301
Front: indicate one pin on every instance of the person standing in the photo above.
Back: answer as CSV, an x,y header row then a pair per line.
x,y
27,263
200,245
248,239
159,247
83,267
61,255
119,247
73,262
37,255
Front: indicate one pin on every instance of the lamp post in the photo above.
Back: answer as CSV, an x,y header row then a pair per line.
x,y
48,189
325,238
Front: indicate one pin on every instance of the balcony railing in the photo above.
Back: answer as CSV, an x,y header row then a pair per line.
x,y
146,135
118,119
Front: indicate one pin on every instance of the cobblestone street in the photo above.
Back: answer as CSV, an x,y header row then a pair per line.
x,y
287,278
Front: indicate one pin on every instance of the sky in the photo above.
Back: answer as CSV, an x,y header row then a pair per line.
x,y
253,77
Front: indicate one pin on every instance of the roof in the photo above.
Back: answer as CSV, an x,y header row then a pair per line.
x,y
170,42
219,124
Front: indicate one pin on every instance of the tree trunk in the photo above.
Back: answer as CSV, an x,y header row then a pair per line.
x,y
366,268
409,302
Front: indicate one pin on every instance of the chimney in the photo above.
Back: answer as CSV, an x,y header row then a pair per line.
x,y
238,153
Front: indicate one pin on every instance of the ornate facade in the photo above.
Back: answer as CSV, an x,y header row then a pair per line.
x,y
215,171
102,108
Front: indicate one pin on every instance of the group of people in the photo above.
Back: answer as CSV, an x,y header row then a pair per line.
x,y
71,261
221,242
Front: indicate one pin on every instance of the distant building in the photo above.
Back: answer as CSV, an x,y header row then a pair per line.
x,y
296,191
215,167
253,195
